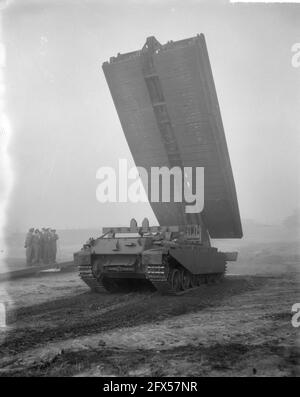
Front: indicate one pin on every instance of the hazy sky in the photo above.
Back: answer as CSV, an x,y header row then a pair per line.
x,y
65,125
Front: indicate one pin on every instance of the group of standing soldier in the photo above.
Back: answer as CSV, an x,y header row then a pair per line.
x,y
41,246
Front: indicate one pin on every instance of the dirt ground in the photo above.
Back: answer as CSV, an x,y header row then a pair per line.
x,y
241,327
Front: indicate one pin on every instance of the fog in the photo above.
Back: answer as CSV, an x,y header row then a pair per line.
x,y
64,124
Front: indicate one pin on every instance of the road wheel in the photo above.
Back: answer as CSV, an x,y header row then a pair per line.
x,y
211,279
194,281
175,280
186,279
219,277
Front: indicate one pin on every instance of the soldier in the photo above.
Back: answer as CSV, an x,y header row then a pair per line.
x,y
36,238
28,246
46,246
53,245
42,253
41,247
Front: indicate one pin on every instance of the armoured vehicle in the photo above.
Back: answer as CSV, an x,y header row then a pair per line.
x,y
168,108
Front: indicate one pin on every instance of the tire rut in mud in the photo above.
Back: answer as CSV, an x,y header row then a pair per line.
x,y
202,361
78,318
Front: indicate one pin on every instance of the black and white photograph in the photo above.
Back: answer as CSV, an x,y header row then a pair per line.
x,y
149,191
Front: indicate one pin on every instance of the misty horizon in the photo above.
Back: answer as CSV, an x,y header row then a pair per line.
x,y
65,126
245,221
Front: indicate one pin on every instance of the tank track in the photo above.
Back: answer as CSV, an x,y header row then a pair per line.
x,y
86,274
159,275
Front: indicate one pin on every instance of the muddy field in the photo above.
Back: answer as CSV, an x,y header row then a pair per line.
x,y
239,327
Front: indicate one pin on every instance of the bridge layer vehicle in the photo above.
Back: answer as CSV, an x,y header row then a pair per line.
x,y
167,104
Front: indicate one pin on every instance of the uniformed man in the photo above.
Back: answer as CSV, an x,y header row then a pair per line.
x,y
36,238
42,253
28,246
41,247
46,246
53,245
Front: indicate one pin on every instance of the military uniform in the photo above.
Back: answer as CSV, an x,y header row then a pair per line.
x,y
47,246
42,254
36,239
53,245
28,246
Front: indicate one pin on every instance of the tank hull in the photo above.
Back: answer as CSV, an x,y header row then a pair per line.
x,y
192,264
